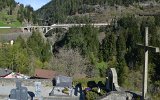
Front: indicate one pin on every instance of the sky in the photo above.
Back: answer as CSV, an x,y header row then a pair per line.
x,y
36,4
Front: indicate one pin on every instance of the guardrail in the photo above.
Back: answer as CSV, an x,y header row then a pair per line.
x,y
4,27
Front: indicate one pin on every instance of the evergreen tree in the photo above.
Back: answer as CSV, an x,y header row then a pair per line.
x,y
122,69
39,47
109,47
84,38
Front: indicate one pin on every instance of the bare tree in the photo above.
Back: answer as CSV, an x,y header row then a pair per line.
x,y
69,62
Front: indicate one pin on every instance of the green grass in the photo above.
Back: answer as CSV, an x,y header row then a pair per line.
x,y
2,24
14,24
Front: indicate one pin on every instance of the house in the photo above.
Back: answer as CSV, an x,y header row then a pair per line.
x,y
44,74
4,72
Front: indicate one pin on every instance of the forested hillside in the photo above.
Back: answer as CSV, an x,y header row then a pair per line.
x,y
86,11
15,14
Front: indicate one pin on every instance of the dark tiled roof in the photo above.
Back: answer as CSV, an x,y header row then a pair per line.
x,y
4,72
42,73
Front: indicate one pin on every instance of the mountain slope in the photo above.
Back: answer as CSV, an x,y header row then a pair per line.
x,y
14,14
86,11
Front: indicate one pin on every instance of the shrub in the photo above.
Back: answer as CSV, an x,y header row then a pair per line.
x,y
102,92
90,95
95,90
93,94
84,81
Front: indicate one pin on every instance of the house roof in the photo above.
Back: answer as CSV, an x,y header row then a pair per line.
x,y
42,73
4,72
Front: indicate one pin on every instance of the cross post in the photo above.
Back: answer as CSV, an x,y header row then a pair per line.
x,y
145,68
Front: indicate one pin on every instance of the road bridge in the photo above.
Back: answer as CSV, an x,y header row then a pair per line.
x,y
27,30
45,29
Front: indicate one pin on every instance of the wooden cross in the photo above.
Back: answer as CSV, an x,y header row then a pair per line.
x,y
145,68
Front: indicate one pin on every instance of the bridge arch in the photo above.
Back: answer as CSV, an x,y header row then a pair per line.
x,y
66,28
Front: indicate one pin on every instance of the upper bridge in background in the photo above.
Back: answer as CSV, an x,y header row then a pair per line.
x,y
45,29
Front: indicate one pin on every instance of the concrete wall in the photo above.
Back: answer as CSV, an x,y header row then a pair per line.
x,y
25,82
13,36
6,85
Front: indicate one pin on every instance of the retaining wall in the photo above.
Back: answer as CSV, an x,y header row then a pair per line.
x,y
13,36
25,82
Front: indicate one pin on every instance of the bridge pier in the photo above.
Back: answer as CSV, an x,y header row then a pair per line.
x,y
46,30
34,29
67,28
22,29
29,29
